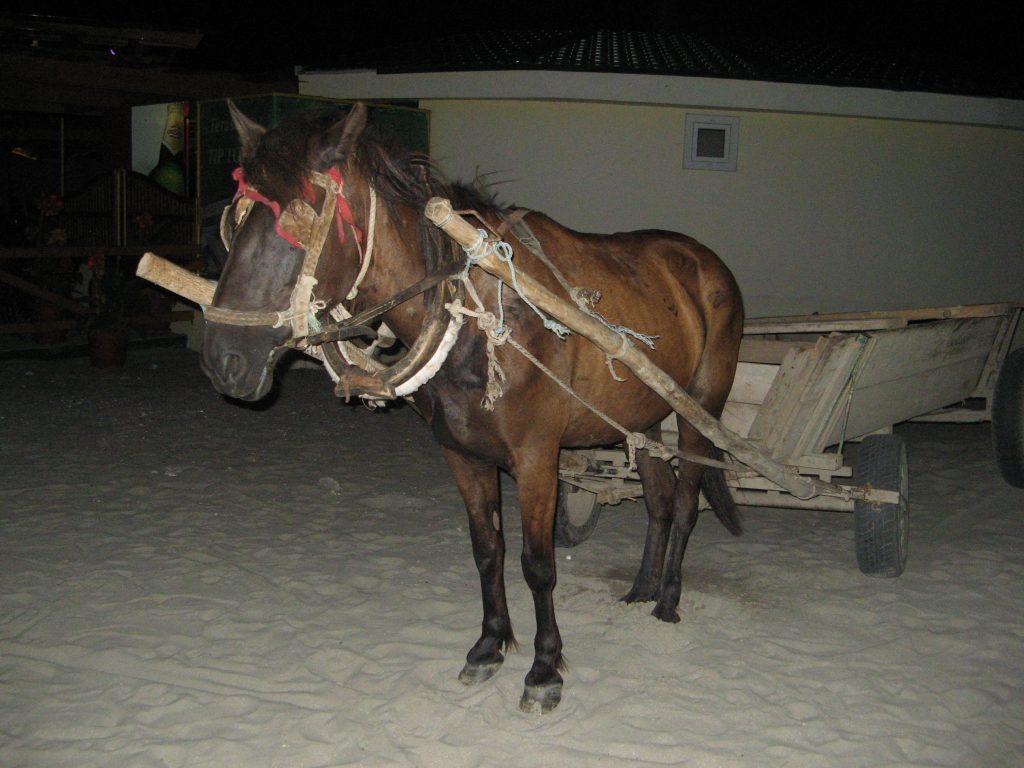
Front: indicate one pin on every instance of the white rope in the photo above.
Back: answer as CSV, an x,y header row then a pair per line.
x,y
364,261
502,251
634,440
498,334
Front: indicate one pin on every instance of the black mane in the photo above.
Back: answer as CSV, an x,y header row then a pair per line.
x,y
401,177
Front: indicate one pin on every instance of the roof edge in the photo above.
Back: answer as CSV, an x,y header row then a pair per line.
x,y
667,90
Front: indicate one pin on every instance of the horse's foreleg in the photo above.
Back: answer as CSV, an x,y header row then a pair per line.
x,y
658,481
537,478
478,484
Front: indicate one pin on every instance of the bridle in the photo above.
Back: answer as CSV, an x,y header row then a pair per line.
x,y
303,227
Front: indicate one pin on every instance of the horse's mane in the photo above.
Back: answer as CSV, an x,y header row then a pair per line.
x,y
400,176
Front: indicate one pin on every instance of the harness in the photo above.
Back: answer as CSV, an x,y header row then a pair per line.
x,y
353,371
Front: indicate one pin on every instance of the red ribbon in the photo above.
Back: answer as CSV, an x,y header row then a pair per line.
x,y
344,211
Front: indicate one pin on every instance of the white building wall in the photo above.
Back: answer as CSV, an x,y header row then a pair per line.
x,y
825,212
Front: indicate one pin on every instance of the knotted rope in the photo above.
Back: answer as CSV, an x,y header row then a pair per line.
x,y
634,440
584,298
502,251
499,334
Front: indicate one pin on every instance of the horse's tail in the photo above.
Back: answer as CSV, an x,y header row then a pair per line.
x,y
712,484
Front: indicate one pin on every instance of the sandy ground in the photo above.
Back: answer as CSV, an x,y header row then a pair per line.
x,y
186,582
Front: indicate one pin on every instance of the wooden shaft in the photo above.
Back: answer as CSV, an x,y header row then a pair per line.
x,y
169,275
439,211
42,293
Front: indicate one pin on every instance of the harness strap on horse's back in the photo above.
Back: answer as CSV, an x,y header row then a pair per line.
x,y
498,334
585,298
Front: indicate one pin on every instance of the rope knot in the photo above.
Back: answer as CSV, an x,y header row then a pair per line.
x,y
635,441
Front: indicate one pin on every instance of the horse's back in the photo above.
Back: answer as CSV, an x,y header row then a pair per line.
x,y
665,279
661,284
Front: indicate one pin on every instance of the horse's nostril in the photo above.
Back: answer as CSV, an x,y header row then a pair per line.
x,y
232,365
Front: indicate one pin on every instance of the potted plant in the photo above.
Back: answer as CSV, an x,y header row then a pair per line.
x,y
109,289
54,275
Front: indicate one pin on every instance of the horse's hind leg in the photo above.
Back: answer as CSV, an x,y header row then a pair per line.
x,y
684,518
658,481
478,483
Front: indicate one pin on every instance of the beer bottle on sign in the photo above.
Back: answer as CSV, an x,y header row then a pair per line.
x,y
169,171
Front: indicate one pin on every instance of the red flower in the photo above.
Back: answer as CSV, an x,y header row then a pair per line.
x,y
50,205
144,221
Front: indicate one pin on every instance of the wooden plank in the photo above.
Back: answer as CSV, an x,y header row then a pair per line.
x,y
910,315
793,375
956,416
87,251
823,399
753,382
807,391
42,293
922,348
894,401
739,417
1000,348
770,351
911,372
779,500
821,325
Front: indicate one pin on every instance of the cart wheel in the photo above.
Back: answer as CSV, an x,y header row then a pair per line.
x,y
576,515
1008,419
881,530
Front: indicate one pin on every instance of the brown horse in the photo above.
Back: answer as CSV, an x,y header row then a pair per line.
x,y
660,283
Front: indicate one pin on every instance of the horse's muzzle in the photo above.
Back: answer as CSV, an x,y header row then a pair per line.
x,y
237,375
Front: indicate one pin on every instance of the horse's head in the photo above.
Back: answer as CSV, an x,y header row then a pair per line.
x,y
289,212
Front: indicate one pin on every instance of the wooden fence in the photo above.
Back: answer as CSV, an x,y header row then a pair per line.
x,y
119,216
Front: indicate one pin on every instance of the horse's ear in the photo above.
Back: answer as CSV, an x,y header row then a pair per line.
x,y
249,132
340,138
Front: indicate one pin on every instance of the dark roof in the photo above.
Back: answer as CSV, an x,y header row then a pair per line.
x,y
128,53
744,57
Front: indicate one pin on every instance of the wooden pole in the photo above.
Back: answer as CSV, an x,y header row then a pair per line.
x,y
615,344
42,293
169,275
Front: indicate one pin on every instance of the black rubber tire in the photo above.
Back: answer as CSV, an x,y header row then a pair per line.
x,y
1008,419
576,515
881,531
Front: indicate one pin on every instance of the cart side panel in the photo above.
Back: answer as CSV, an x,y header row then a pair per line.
x,y
914,371
806,392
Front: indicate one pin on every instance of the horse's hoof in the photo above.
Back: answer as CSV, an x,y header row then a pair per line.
x,y
666,613
540,699
472,674
633,596
640,595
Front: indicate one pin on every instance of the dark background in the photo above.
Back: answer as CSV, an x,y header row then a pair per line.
x,y
254,37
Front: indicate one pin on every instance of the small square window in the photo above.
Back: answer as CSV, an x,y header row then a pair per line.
x,y
712,142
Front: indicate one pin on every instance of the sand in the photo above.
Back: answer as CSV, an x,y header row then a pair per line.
x,y
187,582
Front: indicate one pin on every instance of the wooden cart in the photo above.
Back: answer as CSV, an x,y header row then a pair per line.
x,y
806,388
